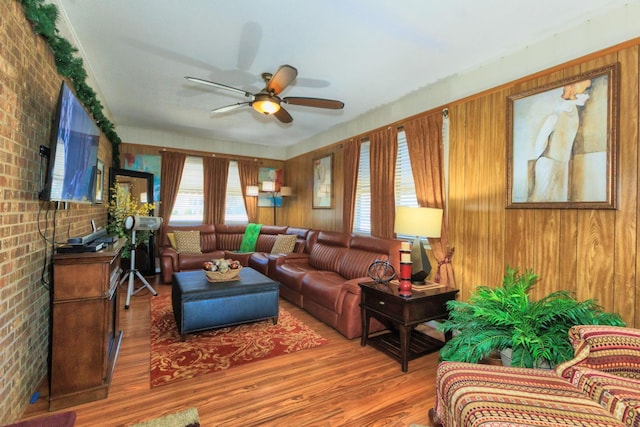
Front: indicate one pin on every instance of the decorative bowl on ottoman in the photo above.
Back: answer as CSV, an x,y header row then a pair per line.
x,y
222,270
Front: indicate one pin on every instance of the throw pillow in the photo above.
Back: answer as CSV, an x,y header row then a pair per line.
x,y
250,238
188,242
284,244
172,240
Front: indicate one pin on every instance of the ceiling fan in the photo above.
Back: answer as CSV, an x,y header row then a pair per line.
x,y
267,100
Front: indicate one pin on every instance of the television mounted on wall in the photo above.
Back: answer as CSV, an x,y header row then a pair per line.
x,y
73,152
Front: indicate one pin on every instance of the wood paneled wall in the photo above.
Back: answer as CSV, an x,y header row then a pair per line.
x,y
298,210
590,252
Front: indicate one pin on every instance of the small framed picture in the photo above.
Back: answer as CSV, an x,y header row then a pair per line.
x,y
323,182
99,181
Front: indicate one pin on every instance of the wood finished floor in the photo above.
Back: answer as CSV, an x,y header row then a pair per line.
x,y
338,384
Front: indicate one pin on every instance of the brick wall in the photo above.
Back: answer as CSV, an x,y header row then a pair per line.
x,y
29,85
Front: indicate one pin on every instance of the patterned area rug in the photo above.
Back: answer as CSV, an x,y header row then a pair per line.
x,y
187,418
220,349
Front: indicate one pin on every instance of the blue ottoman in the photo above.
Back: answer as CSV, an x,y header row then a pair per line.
x,y
199,304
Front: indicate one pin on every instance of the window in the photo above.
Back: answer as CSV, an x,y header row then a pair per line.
x,y
405,186
405,189
362,210
235,211
189,207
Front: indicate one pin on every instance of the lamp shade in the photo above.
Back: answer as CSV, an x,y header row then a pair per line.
x,y
268,186
252,190
286,191
421,222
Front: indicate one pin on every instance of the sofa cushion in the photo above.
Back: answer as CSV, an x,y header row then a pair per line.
x,y
172,240
207,236
188,242
268,236
229,237
323,287
326,253
284,244
610,349
618,396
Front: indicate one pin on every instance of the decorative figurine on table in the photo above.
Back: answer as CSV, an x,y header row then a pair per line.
x,y
405,270
381,272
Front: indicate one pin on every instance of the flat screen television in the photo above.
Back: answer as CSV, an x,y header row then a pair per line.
x,y
73,152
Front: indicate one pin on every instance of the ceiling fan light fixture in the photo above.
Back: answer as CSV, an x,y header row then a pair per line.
x,y
265,104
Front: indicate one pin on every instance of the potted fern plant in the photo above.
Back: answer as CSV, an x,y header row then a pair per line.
x,y
505,317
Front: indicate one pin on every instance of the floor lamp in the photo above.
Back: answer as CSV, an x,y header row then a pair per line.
x,y
418,222
271,188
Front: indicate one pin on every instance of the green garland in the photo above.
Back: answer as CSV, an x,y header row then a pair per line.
x,y
43,19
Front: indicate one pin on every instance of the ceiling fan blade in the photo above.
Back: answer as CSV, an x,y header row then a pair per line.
x,y
230,107
314,102
285,75
283,115
219,85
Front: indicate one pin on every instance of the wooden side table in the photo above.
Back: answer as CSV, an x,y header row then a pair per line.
x,y
403,314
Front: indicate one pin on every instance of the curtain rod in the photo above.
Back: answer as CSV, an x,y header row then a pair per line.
x,y
194,153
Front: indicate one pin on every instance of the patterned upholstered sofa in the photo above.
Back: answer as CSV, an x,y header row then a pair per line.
x,y
600,386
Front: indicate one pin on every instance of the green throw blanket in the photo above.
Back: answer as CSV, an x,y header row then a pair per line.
x,y
250,238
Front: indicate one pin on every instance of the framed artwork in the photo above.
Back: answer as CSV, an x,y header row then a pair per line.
x,y
267,199
149,163
323,182
99,183
562,143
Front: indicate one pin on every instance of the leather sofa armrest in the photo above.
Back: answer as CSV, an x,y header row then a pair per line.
x,y
169,263
352,286
292,257
242,257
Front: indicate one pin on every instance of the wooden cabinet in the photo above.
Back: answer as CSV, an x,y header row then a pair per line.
x,y
85,334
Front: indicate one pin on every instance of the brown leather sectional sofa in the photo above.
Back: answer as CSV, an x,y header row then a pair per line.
x,y
325,282
321,276
223,241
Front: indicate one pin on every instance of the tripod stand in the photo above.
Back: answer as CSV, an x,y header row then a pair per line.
x,y
133,272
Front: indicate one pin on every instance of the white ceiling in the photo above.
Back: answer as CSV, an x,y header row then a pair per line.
x,y
366,53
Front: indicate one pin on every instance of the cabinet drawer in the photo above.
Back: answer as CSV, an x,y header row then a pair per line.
x,y
380,302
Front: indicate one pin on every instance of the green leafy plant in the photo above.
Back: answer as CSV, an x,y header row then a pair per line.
x,y
505,318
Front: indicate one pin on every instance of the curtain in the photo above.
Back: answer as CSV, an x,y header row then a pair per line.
x,y
424,142
384,150
171,167
248,171
351,160
216,173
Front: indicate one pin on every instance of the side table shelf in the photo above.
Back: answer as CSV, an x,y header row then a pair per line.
x,y
419,344
401,341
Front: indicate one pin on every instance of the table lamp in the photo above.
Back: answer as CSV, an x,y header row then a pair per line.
x,y
419,222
